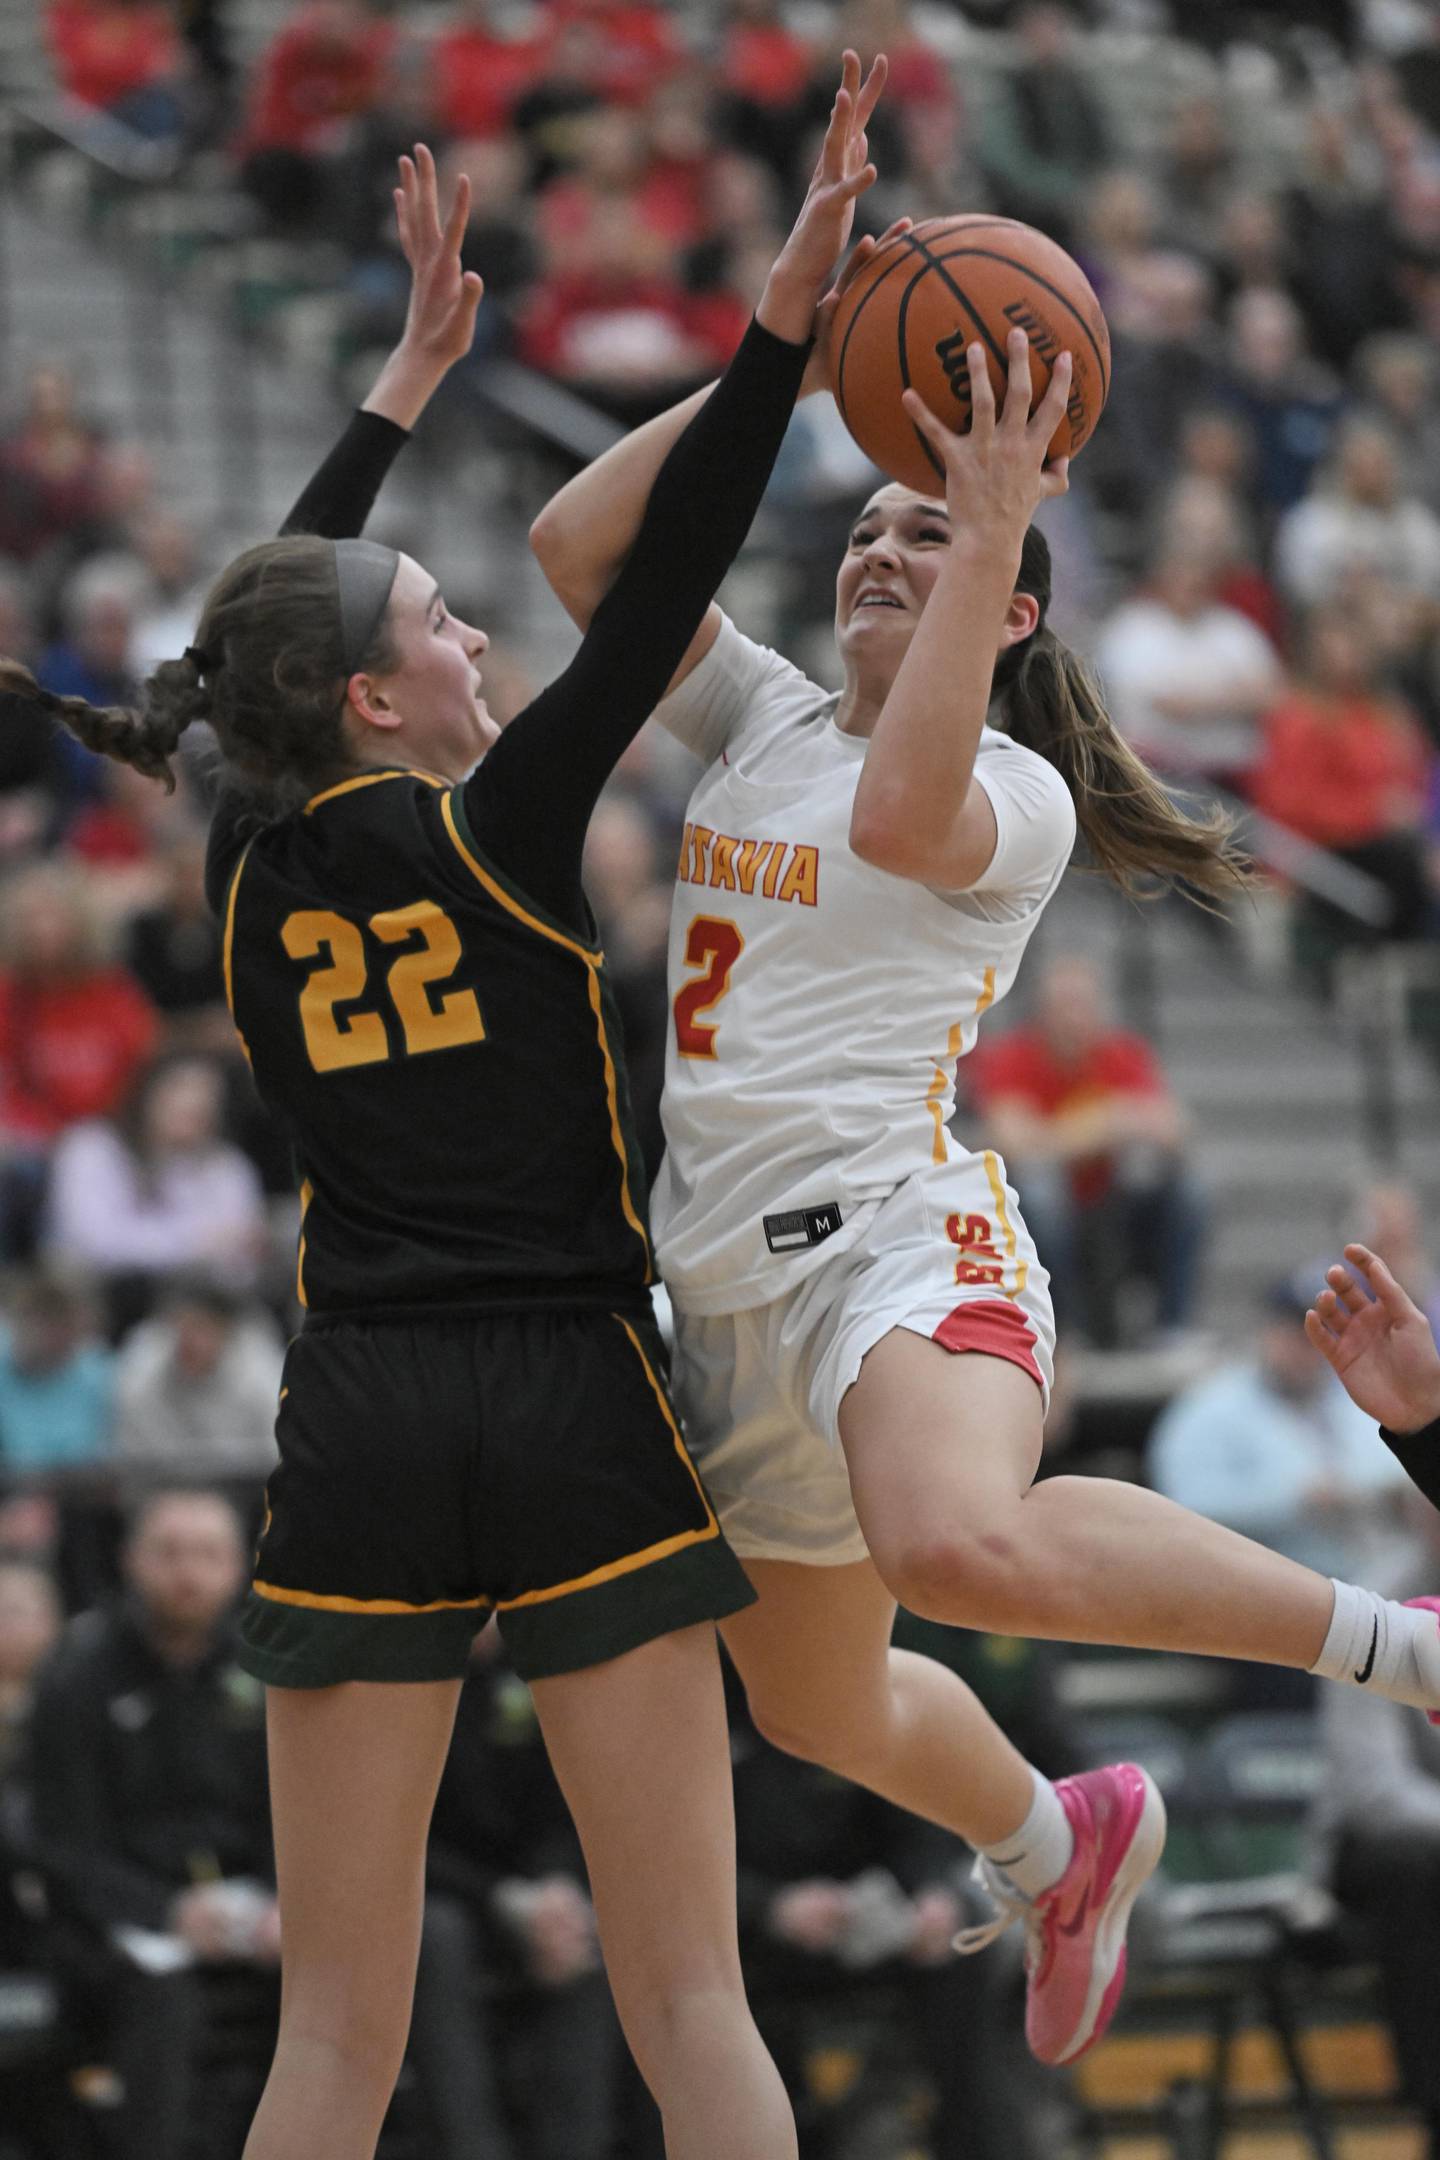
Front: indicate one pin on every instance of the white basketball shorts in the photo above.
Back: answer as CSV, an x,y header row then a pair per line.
x,y
946,1255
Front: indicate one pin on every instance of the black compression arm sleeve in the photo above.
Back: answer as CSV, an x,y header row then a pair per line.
x,y
339,498
1418,1454
530,801
335,503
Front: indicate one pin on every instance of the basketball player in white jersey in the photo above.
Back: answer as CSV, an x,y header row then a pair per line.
x,y
863,1330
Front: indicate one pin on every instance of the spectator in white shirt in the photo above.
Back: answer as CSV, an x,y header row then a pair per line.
x,y
1271,1445
1359,522
1186,676
140,1198
197,1387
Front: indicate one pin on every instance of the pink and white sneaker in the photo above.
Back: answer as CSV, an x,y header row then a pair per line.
x,y
1428,1604
1075,1932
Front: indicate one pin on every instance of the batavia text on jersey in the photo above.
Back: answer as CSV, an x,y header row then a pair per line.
x,y
773,869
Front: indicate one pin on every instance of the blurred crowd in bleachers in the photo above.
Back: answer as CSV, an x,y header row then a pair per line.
x,y
1251,551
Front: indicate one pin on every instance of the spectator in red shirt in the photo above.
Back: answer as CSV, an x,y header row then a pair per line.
x,y
324,70
631,45
53,478
124,57
1093,1138
74,1031
1345,764
763,73
621,328
616,164
479,72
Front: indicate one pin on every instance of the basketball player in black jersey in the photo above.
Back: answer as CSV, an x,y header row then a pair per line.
x,y
475,1418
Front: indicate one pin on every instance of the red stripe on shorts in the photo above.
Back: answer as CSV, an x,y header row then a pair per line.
x,y
995,1328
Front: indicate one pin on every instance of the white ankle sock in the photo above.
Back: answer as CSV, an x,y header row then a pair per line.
x,y
1374,1642
1035,1856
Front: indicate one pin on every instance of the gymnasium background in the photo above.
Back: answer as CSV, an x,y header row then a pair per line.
x,y
197,277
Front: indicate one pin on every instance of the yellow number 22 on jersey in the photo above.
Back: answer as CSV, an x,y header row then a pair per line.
x,y
360,1037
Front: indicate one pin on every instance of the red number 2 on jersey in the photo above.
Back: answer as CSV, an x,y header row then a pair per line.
x,y
714,944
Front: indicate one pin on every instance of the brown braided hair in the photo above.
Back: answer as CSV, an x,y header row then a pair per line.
x,y
267,671
1136,836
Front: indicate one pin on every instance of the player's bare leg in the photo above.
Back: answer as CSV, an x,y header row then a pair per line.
x,y
823,1682
641,1750
353,1772
1068,1860
942,1450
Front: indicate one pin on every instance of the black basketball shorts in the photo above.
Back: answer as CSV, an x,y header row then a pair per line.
x,y
437,1470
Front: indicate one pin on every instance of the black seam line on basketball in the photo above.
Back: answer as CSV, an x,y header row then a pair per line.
x,y
937,464
971,225
860,308
933,262
989,255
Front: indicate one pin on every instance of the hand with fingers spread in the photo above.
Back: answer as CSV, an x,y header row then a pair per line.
x,y
440,320
996,476
1378,1342
821,232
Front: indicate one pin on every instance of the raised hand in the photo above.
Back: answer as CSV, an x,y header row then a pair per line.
x,y
818,374
440,319
1380,1345
996,475
821,232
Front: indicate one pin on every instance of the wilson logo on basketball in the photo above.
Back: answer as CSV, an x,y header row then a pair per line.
x,y
1046,343
950,353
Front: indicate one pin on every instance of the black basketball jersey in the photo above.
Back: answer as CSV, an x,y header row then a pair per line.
x,y
446,1055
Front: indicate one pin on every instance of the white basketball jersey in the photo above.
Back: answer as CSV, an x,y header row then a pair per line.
x,y
819,1005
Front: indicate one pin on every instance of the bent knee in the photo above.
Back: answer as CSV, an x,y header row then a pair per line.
x,y
974,1578
839,1738
787,1727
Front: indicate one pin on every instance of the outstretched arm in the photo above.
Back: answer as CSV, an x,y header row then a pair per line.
x,y
584,533
439,329
919,812
338,498
1383,1350
530,801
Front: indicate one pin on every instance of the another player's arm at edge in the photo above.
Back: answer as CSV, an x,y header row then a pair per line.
x,y
919,811
1383,1350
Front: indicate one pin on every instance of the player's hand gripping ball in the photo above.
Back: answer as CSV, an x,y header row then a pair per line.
x,y
906,316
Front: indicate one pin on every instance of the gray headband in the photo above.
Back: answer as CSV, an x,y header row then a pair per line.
x,y
364,574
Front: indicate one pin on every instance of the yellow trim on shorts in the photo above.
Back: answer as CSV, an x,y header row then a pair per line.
x,y
313,1602
1019,1268
371,779
594,960
307,1194
613,1569
228,949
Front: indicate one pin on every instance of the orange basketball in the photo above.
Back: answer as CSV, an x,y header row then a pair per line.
x,y
906,318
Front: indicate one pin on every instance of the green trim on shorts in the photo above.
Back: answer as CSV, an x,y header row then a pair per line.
x,y
300,1647
703,1581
